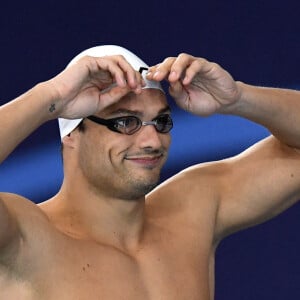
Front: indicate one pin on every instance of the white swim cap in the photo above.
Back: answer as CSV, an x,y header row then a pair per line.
x,y
66,125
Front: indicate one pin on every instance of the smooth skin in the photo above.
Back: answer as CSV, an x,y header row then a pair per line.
x,y
104,235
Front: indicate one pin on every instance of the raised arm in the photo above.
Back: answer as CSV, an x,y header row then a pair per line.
x,y
265,179
276,109
76,92
204,88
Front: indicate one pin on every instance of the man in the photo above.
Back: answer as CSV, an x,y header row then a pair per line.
x,y
108,234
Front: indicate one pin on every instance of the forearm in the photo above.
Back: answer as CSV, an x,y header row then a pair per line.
x,y
20,117
276,109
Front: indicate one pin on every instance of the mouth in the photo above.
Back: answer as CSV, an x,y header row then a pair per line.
x,y
149,162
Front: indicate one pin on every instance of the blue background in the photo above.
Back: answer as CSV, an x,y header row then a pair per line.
x,y
256,41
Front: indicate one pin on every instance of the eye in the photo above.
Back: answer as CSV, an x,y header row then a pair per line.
x,y
120,123
164,123
164,119
127,124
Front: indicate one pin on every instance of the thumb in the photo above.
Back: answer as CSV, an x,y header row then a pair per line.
x,y
176,89
180,95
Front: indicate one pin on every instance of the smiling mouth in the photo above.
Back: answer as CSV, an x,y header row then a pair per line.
x,y
147,161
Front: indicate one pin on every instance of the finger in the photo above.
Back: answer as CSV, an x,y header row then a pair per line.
x,y
108,64
151,71
112,96
133,77
120,70
176,89
198,66
180,66
179,94
162,70
139,82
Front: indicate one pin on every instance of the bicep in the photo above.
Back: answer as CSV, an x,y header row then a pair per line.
x,y
257,185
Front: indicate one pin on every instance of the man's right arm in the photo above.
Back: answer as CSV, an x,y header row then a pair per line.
x,y
20,117
74,93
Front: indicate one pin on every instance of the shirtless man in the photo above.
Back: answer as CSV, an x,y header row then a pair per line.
x,y
107,234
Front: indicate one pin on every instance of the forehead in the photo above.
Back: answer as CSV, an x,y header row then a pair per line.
x,y
149,101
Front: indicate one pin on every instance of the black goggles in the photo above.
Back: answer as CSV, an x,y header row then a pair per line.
x,y
131,124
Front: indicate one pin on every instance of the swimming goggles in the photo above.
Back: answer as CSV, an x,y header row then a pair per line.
x,y
131,124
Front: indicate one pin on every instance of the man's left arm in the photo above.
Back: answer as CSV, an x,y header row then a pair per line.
x,y
265,179
276,109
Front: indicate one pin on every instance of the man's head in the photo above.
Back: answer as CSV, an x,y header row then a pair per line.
x,y
122,154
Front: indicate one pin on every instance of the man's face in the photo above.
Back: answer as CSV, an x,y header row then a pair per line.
x,y
120,165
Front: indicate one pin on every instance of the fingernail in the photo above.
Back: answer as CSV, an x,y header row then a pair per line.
x,y
173,75
156,74
138,90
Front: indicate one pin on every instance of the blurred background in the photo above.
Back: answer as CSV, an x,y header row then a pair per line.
x,y
258,42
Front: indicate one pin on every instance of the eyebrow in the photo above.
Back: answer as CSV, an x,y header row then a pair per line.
x,y
124,111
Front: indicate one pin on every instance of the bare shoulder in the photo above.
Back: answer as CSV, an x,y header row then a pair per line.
x,y
190,196
20,206
26,214
193,181
233,193
19,221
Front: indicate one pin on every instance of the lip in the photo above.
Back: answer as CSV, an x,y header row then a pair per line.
x,y
147,161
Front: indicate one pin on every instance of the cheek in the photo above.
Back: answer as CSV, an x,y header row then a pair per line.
x,y
87,156
118,148
113,148
166,141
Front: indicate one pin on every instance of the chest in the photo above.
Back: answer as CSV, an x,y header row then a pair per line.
x,y
165,270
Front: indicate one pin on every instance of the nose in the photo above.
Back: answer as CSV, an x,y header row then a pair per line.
x,y
148,137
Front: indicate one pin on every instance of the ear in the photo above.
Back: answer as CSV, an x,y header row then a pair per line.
x,y
69,141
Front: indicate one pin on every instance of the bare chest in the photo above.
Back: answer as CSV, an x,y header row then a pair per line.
x,y
166,270
113,275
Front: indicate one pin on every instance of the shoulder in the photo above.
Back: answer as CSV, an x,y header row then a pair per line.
x,y
193,194
25,213
193,181
30,225
27,233
19,205
9,197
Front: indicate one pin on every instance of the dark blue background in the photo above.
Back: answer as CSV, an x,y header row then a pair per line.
x,y
256,41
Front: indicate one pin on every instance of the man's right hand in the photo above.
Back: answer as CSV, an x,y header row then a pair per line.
x,y
83,88
91,84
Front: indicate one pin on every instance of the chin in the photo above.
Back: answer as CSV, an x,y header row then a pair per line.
x,y
138,189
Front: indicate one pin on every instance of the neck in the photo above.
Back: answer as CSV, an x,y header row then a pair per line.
x,y
83,214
